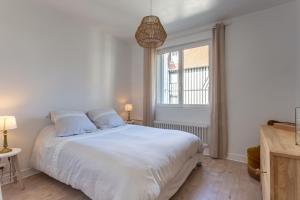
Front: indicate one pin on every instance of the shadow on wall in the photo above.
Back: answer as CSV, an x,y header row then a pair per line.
x,y
107,51
49,61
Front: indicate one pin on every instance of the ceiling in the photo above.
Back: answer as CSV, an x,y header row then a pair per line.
x,y
121,17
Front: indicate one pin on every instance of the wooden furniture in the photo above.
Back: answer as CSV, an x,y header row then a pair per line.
x,y
280,164
284,126
15,172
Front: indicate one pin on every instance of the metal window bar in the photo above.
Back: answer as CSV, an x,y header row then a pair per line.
x,y
195,86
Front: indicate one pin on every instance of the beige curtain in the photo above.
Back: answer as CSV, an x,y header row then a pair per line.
x,y
149,86
218,128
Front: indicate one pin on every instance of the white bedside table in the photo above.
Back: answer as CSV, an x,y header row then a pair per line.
x,y
135,122
130,122
14,165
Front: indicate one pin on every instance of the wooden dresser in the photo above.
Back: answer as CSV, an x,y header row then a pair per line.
x,y
280,164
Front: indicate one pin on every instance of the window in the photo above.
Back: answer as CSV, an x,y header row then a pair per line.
x,y
183,75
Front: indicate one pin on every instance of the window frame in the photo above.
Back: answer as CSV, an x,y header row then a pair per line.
x,y
180,49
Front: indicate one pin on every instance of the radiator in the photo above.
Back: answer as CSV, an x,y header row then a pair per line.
x,y
200,131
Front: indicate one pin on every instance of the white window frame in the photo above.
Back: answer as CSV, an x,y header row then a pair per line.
x,y
180,49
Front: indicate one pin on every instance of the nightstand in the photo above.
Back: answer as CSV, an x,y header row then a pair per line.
x,y
135,122
130,122
14,172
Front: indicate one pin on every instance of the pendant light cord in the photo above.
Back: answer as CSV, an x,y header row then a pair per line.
x,y
151,9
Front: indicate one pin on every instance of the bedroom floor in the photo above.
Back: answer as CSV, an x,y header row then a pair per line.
x,y
215,180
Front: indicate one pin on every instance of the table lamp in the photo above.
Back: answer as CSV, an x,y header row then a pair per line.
x,y
128,109
6,123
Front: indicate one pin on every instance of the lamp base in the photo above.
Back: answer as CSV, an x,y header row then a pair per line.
x,y
5,150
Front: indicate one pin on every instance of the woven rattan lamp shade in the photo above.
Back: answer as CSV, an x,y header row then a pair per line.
x,y
150,33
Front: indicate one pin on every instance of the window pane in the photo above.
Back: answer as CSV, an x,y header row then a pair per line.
x,y
169,75
196,75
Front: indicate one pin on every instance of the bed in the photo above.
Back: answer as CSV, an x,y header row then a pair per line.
x,y
125,163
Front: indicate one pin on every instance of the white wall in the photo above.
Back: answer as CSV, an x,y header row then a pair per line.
x,y
261,66
261,73
298,55
137,77
49,61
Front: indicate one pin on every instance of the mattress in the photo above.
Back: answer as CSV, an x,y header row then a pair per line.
x,y
129,162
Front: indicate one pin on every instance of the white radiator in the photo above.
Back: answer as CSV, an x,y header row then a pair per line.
x,y
199,130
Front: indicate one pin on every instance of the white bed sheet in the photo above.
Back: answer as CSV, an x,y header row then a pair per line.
x,y
125,163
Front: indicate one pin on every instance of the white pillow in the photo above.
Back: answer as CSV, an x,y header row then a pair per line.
x,y
71,123
106,118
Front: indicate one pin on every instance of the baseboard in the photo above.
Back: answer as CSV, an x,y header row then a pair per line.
x,y
237,157
29,172
231,156
24,172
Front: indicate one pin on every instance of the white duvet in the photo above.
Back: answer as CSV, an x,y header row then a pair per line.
x,y
125,163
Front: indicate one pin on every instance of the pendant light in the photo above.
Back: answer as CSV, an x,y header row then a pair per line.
x,y
150,33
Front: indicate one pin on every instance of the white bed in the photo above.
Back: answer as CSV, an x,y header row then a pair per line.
x,y
125,163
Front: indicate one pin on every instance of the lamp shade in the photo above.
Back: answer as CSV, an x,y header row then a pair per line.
x,y
128,107
8,122
150,33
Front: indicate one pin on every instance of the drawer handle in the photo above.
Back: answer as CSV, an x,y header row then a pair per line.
x,y
263,172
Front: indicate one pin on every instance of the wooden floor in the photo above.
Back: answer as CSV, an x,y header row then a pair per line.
x,y
215,180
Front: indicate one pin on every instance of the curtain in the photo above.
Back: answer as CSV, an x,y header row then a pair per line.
x,y
149,86
218,128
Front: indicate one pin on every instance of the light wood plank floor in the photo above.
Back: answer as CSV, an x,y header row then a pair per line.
x,y
215,180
